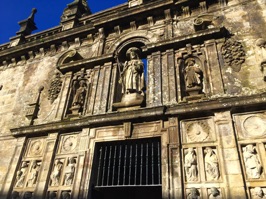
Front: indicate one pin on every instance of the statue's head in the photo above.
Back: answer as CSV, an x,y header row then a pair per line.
x,y
193,192
214,191
258,191
190,62
190,150
133,53
65,195
52,195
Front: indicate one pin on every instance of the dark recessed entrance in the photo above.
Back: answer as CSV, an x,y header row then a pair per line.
x,y
128,169
154,192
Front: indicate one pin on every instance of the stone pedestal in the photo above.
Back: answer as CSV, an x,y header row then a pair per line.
x,y
129,102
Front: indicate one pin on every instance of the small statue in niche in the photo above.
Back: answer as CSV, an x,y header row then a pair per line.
x,y
21,174
79,91
211,164
193,194
193,73
33,174
191,165
252,163
55,88
70,171
15,195
56,173
258,193
131,79
215,193
193,77
52,195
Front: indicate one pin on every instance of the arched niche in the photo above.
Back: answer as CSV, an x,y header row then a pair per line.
x,y
67,57
142,36
192,78
130,82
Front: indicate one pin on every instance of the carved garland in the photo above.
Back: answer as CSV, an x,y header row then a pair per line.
x,y
233,54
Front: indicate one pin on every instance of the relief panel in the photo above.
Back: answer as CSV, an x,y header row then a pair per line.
x,y
198,131
252,162
251,125
68,144
258,192
211,164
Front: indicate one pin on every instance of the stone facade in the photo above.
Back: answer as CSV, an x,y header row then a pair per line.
x,y
191,73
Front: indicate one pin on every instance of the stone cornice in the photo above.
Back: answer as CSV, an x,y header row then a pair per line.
x,y
87,121
151,113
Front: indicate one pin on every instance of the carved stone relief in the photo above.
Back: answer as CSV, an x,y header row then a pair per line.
x,y
191,165
65,195
211,164
252,162
261,43
52,195
70,171
68,144
28,195
233,54
34,173
15,195
55,87
193,193
255,126
197,131
193,76
214,193
131,79
79,89
21,174
36,148
56,172
258,192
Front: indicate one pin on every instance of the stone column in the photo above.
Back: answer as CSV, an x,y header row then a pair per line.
x,y
232,176
94,85
63,97
44,177
10,176
175,185
154,85
102,89
168,78
214,68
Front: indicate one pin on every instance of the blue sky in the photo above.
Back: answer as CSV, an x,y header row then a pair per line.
x,y
47,16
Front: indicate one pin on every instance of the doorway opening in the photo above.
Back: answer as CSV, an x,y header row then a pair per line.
x,y
127,169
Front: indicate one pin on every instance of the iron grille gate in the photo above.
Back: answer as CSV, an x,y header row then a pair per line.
x,y
128,163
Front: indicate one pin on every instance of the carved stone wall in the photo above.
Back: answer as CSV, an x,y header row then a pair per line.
x,y
197,81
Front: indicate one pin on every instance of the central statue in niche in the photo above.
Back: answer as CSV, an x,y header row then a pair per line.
x,y
131,80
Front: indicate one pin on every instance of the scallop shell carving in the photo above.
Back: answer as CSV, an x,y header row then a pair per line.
x,y
198,131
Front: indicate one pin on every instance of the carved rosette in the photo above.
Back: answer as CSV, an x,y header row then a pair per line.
x,y
198,131
233,54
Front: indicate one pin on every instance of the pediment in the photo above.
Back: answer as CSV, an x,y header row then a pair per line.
x,y
68,57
